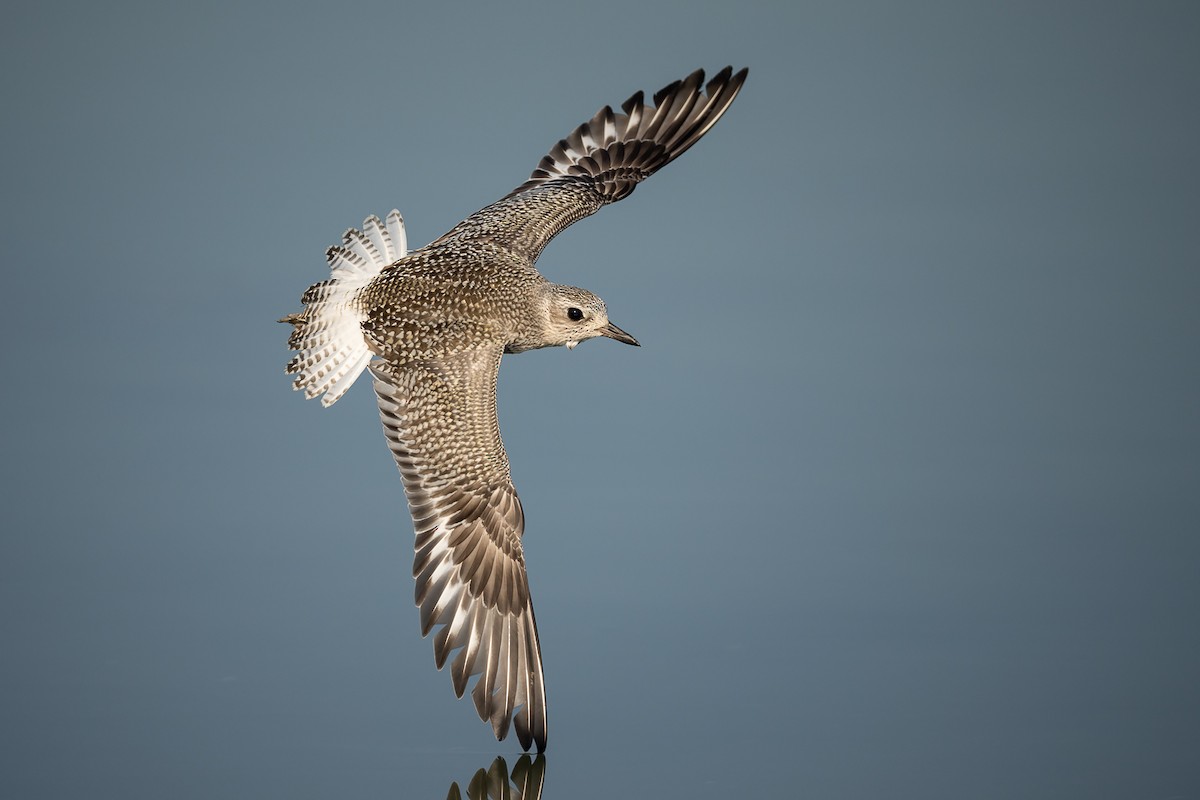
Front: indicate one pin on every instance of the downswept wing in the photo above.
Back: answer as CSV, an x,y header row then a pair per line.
x,y
440,421
601,162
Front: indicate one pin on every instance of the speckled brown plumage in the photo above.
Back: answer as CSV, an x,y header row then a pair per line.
x,y
433,326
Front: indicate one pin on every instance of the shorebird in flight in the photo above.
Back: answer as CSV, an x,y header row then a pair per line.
x,y
432,326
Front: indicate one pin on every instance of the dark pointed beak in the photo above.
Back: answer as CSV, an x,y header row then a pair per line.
x,y
613,332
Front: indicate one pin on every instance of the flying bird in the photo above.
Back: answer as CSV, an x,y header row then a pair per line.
x,y
432,325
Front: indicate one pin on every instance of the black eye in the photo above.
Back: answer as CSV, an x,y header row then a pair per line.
x,y
574,314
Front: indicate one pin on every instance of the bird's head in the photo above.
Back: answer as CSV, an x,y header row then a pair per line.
x,y
573,315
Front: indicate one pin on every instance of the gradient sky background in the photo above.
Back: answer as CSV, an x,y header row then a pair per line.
x,y
900,497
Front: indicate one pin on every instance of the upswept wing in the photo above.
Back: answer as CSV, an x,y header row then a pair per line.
x,y
602,161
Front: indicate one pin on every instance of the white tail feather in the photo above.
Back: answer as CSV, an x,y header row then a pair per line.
x,y
331,351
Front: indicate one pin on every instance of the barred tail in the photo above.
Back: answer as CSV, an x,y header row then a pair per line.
x,y
331,351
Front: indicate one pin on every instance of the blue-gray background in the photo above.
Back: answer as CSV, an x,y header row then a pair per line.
x,y
900,497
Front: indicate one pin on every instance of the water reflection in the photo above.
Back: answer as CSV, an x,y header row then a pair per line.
x,y
493,783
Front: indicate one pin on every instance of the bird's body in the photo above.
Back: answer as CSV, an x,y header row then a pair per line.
x,y
432,327
444,299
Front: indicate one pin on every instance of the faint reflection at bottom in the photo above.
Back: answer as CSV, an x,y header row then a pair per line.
x,y
493,783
